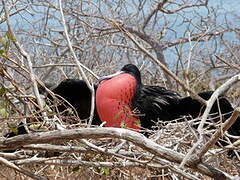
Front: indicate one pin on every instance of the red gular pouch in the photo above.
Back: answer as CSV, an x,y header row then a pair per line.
x,y
113,102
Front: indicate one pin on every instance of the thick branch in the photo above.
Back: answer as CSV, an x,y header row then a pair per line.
x,y
213,98
96,133
219,132
209,105
157,47
21,170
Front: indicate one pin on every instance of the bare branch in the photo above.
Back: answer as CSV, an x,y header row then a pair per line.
x,y
3,18
219,132
79,65
213,98
21,170
199,37
184,6
163,67
96,133
159,6
209,105
25,55
227,63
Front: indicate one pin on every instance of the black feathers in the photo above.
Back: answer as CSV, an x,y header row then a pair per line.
x,y
77,93
155,103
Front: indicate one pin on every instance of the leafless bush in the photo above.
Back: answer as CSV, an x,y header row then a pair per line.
x,y
185,45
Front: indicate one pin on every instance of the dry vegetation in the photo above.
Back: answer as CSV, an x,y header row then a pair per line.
x,y
188,46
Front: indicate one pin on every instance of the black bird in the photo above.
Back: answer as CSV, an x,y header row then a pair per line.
x,y
20,129
148,103
78,95
120,94
75,92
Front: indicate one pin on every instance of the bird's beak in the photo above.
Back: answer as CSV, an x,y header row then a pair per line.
x,y
110,76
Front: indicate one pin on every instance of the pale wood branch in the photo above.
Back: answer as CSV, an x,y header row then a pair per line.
x,y
198,37
21,170
209,105
96,133
184,6
161,65
226,125
67,162
79,65
214,97
25,55
227,63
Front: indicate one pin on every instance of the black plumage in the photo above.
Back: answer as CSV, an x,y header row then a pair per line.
x,y
69,93
155,103
20,129
77,93
221,109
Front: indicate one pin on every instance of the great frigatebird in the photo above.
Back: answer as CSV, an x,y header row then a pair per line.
x,y
123,101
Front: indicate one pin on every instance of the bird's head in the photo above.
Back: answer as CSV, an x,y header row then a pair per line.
x,y
128,68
